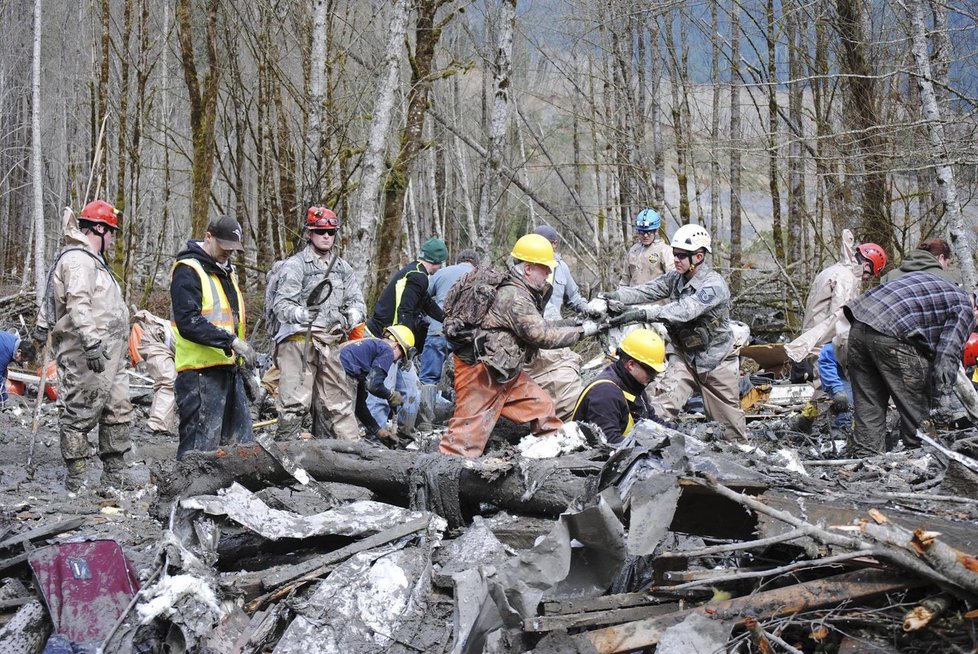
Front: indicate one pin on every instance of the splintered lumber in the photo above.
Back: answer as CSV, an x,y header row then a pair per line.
x,y
816,594
594,618
43,531
389,472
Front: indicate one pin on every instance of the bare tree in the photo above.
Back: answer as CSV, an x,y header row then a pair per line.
x,y
736,248
36,164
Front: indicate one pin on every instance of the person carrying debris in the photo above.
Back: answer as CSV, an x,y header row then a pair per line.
x,y
905,344
435,349
13,350
558,371
651,256
404,301
616,399
89,325
151,340
366,362
317,301
697,317
209,333
490,380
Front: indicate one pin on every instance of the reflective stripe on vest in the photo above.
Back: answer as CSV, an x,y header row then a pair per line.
x,y
399,287
216,309
629,397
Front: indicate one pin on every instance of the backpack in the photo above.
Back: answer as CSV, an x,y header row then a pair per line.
x,y
467,303
272,280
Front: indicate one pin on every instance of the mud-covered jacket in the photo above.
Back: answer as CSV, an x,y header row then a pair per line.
x,y
614,401
565,292
84,304
643,264
404,300
368,360
514,329
917,260
298,277
155,336
831,289
8,348
697,315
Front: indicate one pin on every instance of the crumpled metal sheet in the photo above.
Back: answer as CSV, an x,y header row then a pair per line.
x,y
360,518
697,634
361,605
652,506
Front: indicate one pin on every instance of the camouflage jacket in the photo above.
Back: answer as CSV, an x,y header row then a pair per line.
x,y
697,315
514,328
83,304
299,275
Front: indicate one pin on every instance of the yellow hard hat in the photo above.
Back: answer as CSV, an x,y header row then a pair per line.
x,y
645,346
534,248
404,337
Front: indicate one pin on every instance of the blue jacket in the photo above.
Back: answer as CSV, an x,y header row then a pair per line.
x,y
8,348
438,286
367,360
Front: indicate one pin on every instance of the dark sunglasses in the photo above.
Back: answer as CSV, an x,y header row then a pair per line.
x,y
324,232
681,255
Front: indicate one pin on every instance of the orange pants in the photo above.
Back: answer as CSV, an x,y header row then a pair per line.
x,y
479,401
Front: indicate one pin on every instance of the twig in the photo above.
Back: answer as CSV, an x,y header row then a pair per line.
x,y
735,546
132,603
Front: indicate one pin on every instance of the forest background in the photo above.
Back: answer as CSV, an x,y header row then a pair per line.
x,y
774,123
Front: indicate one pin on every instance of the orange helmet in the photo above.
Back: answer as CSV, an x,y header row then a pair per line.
x,y
321,218
100,211
875,255
971,351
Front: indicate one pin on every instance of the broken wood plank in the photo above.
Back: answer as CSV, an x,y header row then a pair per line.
x,y
293,469
820,593
620,601
595,618
43,531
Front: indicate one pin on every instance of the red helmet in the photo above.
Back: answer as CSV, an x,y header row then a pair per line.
x,y
875,255
971,351
100,211
321,218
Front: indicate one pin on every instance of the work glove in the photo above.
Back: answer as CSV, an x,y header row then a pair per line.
x,y
353,317
596,308
95,357
840,402
243,349
395,400
944,375
306,315
613,301
646,314
591,328
40,336
387,436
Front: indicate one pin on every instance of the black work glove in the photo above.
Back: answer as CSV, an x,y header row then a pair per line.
x,y
613,300
95,357
944,375
630,316
840,402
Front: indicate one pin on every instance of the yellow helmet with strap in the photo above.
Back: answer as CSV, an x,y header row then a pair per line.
x,y
534,248
646,347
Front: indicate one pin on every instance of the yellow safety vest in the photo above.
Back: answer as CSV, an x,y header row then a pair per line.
x,y
629,397
216,308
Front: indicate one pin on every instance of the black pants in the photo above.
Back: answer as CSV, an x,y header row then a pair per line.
x,y
213,409
882,367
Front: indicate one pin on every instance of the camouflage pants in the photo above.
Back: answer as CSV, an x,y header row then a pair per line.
x,y
559,373
321,385
163,411
720,389
87,399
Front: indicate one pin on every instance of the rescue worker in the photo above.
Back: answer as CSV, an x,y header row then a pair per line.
x,y
490,380
616,399
89,324
435,349
905,344
209,333
697,318
558,371
156,346
312,328
651,256
13,350
932,255
840,283
366,362
404,301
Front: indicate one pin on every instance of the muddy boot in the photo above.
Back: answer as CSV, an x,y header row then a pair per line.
x,y
288,428
113,472
77,480
426,411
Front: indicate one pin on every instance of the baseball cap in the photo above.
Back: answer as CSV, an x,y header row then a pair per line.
x,y
547,232
227,232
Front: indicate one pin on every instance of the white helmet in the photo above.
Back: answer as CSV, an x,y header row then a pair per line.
x,y
691,238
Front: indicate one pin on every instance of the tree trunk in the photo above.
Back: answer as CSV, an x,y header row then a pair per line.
x,y
736,148
935,132
365,223
715,226
317,102
797,212
37,182
772,135
492,185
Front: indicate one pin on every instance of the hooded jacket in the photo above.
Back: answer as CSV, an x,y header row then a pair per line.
x,y
186,299
83,302
831,289
917,260
607,405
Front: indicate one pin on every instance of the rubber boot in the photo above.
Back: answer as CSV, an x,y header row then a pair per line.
x,y
289,426
77,480
113,468
426,411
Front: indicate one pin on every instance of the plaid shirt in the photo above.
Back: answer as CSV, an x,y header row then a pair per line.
x,y
921,309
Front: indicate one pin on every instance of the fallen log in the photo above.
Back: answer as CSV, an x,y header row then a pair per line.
x,y
806,596
392,473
